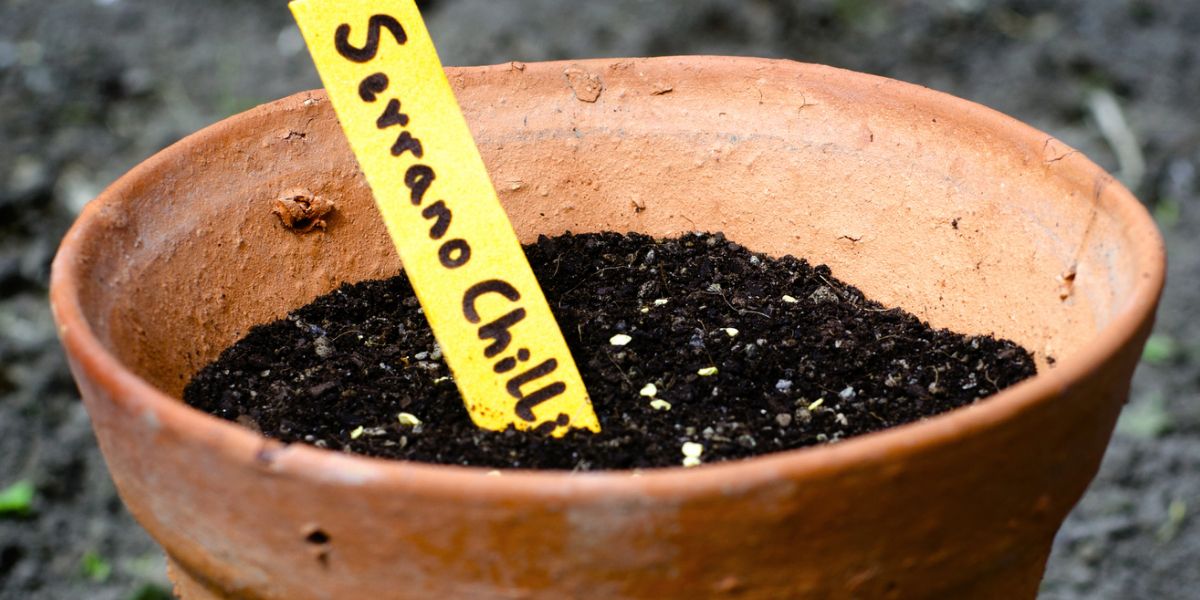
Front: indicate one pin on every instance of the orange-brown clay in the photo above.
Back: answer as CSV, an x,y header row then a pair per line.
x,y
301,210
959,214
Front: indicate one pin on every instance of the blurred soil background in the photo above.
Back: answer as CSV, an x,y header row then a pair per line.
x,y
89,88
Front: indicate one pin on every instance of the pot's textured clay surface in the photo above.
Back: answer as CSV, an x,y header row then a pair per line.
x,y
957,213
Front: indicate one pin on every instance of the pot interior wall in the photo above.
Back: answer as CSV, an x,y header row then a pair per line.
x,y
955,213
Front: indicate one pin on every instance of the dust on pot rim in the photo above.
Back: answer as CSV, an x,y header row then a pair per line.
x,y
305,462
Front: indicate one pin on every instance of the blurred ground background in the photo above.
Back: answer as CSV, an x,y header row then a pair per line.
x,y
88,88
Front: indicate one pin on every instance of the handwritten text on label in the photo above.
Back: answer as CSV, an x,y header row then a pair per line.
x,y
478,292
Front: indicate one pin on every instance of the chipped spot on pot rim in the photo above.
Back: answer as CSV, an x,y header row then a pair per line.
x,y
586,85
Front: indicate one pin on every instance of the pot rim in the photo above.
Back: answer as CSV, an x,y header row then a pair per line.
x,y
322,466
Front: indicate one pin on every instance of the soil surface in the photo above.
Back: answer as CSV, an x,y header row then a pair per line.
x,y
693,340
89,88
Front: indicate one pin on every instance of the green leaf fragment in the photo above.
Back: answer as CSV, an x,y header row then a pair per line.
x,y
1146,419
150,591
1160,348
95,567
17,499
1167,212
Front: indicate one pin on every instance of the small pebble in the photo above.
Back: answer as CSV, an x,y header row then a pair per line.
x,y
620,339
783,385
847,393
707,371
783,419
649,390
823,294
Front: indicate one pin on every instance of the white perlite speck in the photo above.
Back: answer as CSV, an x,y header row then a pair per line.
x,y
620,339
408,419
658,404
692,449
731,332
847,393
691,461
707,371
649,390
789,299
660,302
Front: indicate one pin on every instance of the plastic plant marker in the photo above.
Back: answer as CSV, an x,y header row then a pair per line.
x,y
487,311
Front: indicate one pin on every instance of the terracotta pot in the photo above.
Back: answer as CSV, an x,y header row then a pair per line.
x,y
962,215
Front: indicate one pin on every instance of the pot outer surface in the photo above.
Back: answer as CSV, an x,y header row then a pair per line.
x,y
952,211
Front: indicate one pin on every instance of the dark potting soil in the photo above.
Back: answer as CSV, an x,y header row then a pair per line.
x,y
801,359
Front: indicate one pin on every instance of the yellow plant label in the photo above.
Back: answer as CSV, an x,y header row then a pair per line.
x,y
485,306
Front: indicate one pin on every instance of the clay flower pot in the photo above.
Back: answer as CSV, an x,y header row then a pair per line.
x,y
962,215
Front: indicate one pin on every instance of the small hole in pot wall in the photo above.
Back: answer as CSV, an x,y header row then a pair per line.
x,y
318,541
317,536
